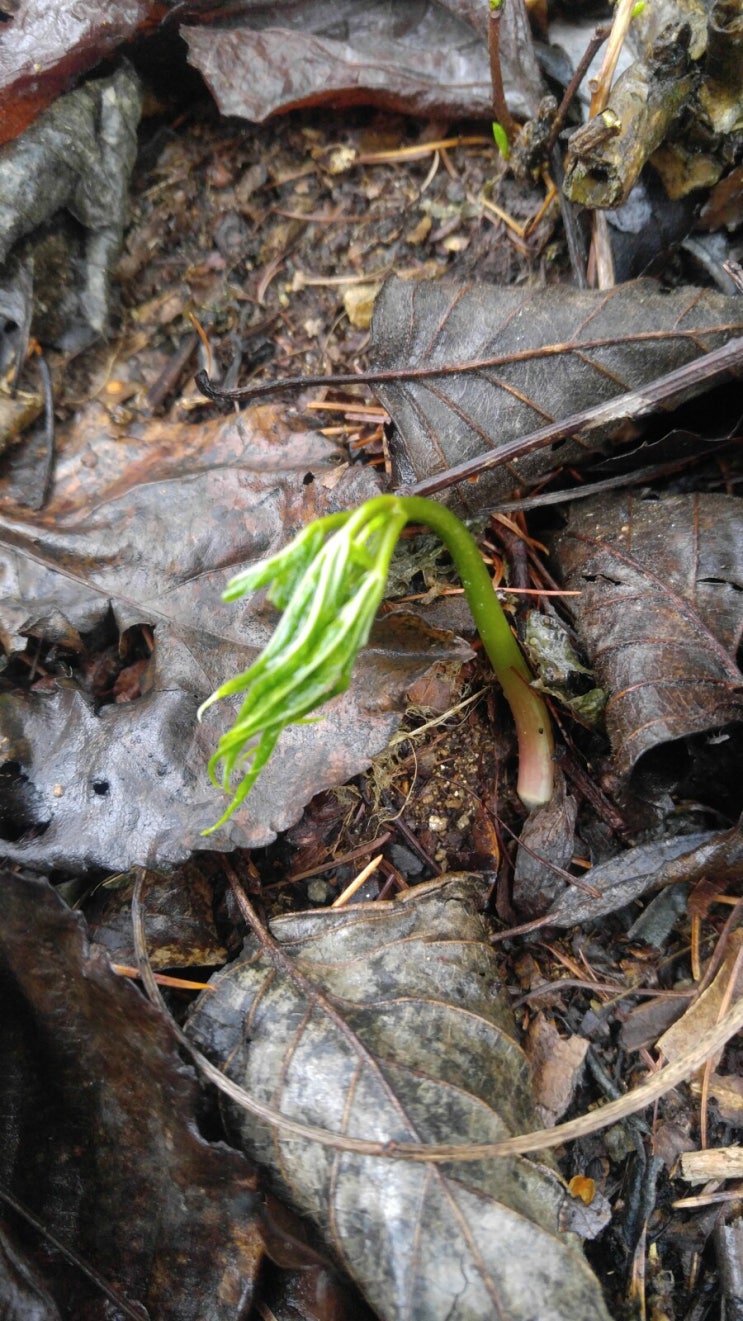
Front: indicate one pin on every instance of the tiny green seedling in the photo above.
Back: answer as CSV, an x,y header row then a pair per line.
x,y
329,582
501,139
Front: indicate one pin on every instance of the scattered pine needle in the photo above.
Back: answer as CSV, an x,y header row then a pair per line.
x,y
357,882
180,983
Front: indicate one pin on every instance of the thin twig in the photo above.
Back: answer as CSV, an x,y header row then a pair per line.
x,y
594,45
617,37
500,105
721,359
332,864
564,875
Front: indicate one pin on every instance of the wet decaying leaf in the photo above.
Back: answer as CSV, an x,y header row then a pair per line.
x,y
546,844
556,351
660,613
63,195
125,783
179,924
403,1037
557,1064
98,1137
623,879
21,1295
426,59
44,47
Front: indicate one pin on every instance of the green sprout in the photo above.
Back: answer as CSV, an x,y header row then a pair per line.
x,y
501,139
329,582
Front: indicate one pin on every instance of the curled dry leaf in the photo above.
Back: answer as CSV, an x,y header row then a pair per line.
x,y
660,613
396,1032
98,1137
528,357
623,879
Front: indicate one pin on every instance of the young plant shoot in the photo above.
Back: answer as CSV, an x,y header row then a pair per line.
x,y
329,582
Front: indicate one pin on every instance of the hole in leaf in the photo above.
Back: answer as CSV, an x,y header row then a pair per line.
x,y
101,787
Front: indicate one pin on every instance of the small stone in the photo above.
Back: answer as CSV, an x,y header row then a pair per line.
x,y
318,892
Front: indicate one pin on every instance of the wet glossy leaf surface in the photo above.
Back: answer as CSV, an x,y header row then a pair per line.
x,y
361,1053
427,59
44,47
540,372
123,783
98,1137
660,613
63,197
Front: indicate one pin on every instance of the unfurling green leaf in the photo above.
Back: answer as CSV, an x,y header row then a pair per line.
x,y
329,587
329,581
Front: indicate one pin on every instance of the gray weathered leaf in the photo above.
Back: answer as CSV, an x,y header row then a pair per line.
x,y
621,880
63,191
403,1037
114,785
529,357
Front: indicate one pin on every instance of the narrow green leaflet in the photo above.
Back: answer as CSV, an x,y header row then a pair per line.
x,y
329,581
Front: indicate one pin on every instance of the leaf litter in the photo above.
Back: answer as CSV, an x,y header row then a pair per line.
x,y
527,358
105,1153
112,784
252,251
343,1048
660,615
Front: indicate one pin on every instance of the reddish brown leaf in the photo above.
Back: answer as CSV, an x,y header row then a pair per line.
x,y
426,60
45,47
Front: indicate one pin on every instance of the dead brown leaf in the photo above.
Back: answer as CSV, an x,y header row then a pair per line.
x,y
557,1065
526,358
98,1136
660,613
429,60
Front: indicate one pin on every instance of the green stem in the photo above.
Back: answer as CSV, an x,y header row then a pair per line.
x,y
329,588
530,714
